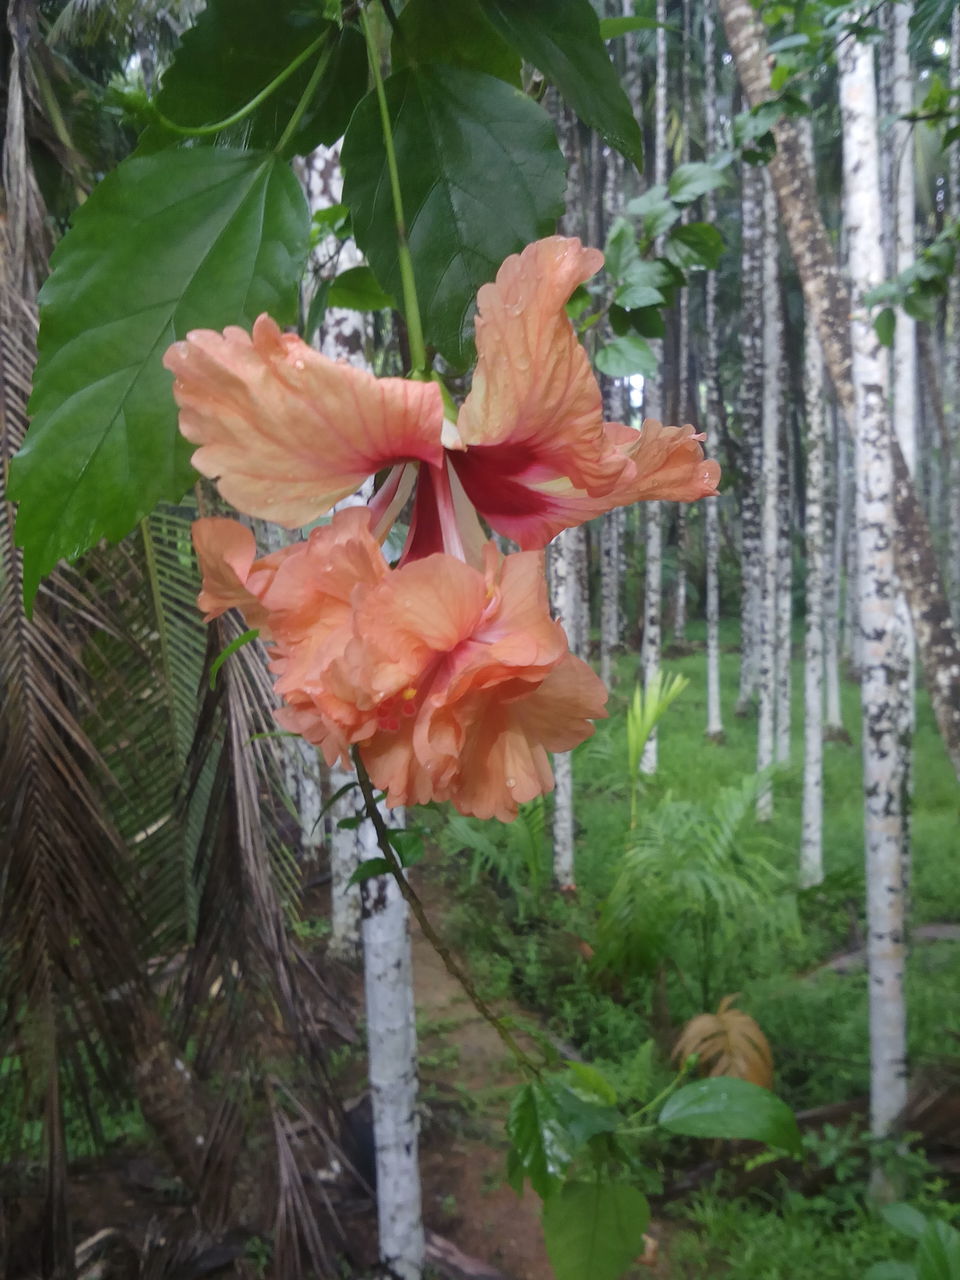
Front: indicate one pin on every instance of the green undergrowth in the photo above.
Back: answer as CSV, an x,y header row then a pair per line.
x,y
528,942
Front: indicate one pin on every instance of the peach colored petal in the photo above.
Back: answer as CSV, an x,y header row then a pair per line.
x,y
534,412
232,576
668,463
423,609
312,593
285,431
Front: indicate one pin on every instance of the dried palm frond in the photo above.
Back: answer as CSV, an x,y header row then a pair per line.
x,y
727,1043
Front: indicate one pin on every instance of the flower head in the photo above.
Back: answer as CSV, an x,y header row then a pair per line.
x,y
287,433
447,672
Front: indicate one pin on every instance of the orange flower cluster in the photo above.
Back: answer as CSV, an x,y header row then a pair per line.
x,y
447,671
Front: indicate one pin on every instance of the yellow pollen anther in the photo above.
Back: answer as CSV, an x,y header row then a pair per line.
x,y
408,694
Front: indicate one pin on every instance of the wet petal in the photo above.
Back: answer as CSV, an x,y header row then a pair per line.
x,y
534,412
667,463
286,432
233,578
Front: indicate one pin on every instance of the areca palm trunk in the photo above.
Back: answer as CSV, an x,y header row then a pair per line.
x,y
884,781
750,406
653,407
953,329
769,481
392,1056
834,512
711,514
811,845
784,620
828,303
565,606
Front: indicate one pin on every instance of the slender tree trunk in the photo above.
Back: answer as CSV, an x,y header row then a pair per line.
x,y
833,566
784,622
828,303
563,590
811,847
953,346
653,407
768,488
392,1054
711,515
751,393
884,782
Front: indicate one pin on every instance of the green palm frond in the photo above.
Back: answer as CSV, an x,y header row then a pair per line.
x,y
685,867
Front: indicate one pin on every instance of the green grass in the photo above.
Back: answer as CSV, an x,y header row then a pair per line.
x,y
528,943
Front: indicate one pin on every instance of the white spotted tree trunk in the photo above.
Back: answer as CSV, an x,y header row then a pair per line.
x,y
953,347
884,781
392,1058
711,513
811,840
563,587
769,484
653,407
751,420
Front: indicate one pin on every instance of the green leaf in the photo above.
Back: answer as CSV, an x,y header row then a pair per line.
x,y
166,243
657,212
905,1219
621,248
334,220
481,176
242,639
643,284
317,310
891,1271
591,1081
610,28
235,49
796,41
562,38
369,869
626,356
357,290
648,322
938,1254
542,1149
884,325
698,244
690,181
408,845
724,1107
594,1230
640,1076
458,34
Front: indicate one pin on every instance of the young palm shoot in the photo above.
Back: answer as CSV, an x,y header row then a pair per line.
x,y
643,715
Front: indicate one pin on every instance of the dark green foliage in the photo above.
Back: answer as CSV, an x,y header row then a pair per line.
x,y
562,39
480,176
209,238
236,49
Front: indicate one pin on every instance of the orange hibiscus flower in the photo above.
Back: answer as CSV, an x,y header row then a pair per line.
x,y
287,433
454,682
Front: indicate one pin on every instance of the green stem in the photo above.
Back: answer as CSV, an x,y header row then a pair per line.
x,y
411,307
305,99
205,130
416,906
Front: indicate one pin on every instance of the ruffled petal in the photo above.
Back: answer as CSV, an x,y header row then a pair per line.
x,y
667,463
534,412
233,578
286,432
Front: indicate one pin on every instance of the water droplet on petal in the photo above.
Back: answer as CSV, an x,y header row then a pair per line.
x,y
511,783
299,364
